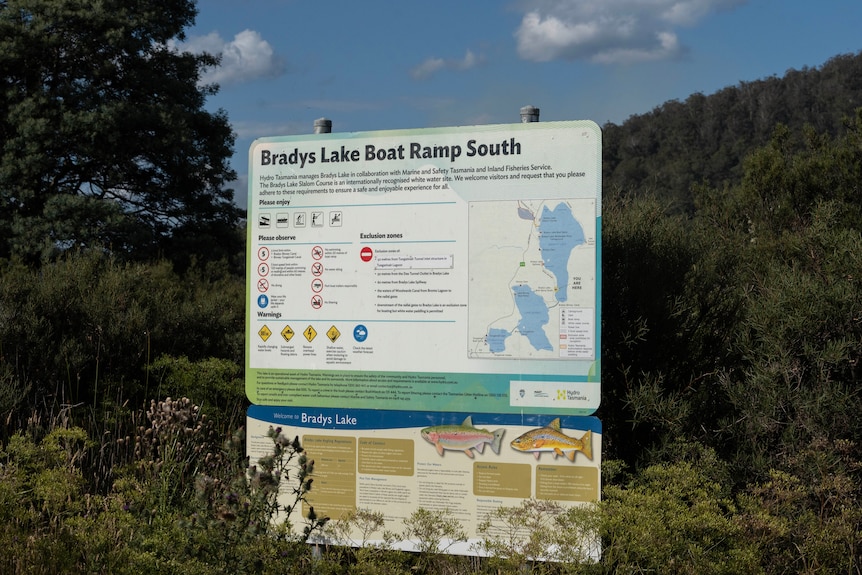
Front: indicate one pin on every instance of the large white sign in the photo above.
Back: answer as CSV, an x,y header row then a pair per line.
x,y
451,269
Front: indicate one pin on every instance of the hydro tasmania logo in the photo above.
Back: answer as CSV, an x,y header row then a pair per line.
x,y
570,395
559,394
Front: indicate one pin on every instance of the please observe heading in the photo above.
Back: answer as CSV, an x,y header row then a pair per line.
x,y
413,150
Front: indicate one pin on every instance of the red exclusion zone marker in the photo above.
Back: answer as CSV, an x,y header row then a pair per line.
x,y
366,254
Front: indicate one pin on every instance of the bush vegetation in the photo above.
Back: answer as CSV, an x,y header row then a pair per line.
x,y
732,338
731,351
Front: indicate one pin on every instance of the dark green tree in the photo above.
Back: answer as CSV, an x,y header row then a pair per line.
x,y
740,326
798,230
104,139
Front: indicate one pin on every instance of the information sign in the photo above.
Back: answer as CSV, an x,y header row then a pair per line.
x,y
467,466
450,270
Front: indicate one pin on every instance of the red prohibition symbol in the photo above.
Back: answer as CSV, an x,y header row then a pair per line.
x,y
316,302
366,254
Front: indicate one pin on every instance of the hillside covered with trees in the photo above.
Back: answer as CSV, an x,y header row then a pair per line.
x,y
732,327
705,139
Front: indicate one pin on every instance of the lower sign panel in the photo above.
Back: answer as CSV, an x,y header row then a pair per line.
x,y
468,466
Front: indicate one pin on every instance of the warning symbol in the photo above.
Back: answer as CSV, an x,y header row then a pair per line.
x,y
310,333
333,334
264,333
287,333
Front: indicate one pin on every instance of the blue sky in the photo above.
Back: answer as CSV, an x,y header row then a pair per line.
x,y
375,65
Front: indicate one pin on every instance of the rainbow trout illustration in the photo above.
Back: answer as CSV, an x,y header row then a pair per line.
x,y
463,437
551,438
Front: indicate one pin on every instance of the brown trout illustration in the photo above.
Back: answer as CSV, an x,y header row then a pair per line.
x,y
551,438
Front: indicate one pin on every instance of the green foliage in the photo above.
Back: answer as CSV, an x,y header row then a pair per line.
x,y
238,507
807,519
105,139
541,536
732,332
41,496
185,506
739,327
768,322
176,447
359,556
783,184
215,384
86,329
675,519
49,472
661,329
366,522
799,335
433,531
668,152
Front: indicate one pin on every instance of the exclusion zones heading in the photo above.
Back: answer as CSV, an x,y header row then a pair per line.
x,y
371,153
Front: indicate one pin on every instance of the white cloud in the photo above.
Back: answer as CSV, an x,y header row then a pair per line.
x,y
434,65
428,67
247,57
609,31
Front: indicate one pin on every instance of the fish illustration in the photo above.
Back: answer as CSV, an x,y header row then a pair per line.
x,y
551,438
463,437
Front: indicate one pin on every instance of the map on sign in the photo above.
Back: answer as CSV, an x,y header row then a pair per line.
x,y
532,279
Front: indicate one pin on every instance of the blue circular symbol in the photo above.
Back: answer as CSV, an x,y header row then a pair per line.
x,y
262,300
360,333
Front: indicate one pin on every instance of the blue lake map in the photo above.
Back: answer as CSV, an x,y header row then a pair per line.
x,y
529,254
